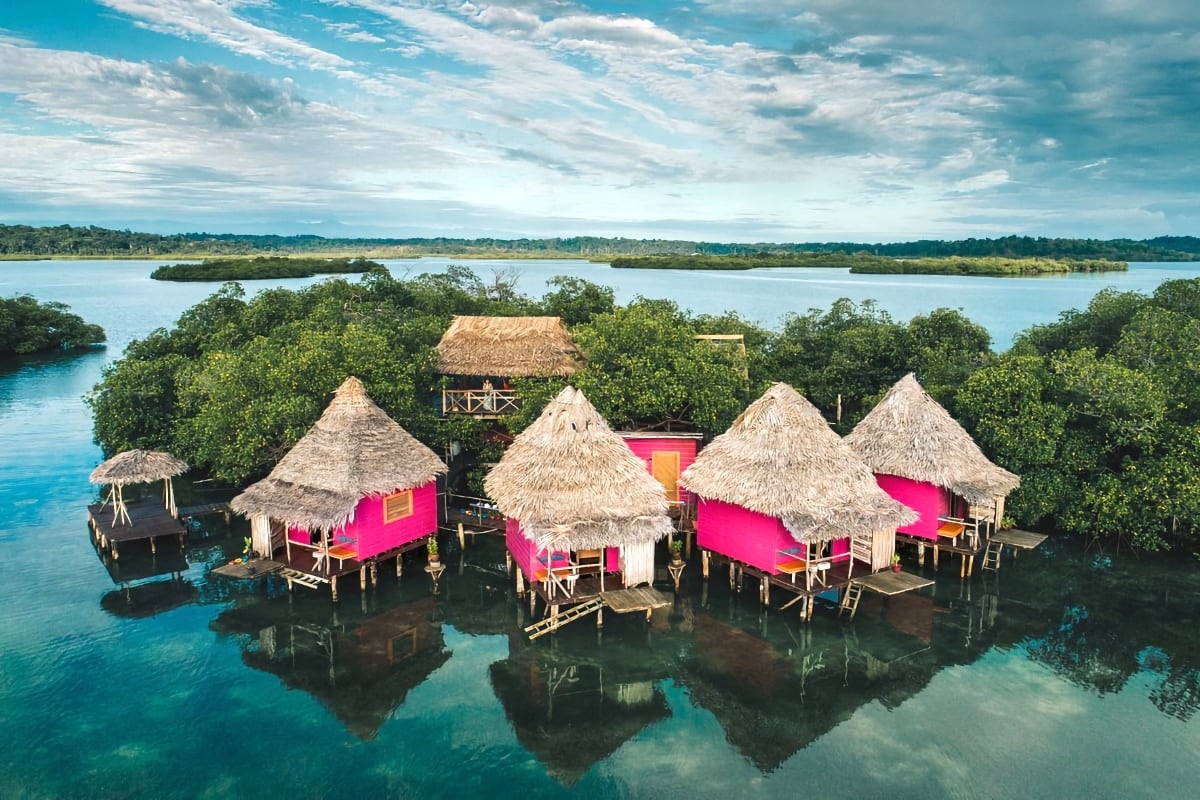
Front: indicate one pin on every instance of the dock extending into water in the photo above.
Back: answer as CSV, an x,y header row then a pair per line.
x,y
148,519
622,601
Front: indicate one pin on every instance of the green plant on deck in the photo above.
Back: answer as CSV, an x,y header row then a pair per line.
x,y
895,559
431,546
247,543
675,547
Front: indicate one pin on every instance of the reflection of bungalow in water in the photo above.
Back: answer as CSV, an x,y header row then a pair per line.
x,y
782,494
573,713
361,672
922,457
356,489
580,505
483,353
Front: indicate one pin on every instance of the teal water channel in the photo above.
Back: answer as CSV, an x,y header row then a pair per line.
x,y
1069,673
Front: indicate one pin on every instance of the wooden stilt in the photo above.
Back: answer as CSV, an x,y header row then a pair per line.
x,y
153,545
362,577
921,555
333,587
520,583
704,564
764,591
935,556
462,537
399,564
374,573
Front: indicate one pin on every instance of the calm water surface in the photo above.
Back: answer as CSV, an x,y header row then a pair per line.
x,y
1069,674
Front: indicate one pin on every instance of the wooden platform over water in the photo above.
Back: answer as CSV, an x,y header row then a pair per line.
x,y
254,568
1022,540
639,598
891,583
149,520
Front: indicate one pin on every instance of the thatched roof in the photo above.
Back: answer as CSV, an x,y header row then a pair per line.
x,y
910,435
780,458
137,466
353,451
508,347
573,483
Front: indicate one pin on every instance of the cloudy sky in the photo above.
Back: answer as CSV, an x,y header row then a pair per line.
x,y
720,120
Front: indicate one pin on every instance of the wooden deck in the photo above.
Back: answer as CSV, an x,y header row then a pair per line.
x,y
892,583
639,598
963,546
149,520
254,568
1022,540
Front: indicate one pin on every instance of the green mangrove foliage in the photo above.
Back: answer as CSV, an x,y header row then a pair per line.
x,y
986,266
30,326
245,269
759,260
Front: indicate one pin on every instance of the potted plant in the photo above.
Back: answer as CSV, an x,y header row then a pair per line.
x,y
431,548
676,547
895,562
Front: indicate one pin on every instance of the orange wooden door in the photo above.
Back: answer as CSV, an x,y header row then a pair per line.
x,y
664,465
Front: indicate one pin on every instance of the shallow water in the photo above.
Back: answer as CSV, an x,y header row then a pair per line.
x,y
1070,673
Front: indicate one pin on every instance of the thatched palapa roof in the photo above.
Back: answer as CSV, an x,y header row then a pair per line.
x,y
780,458
910,435
137,466
573,483
353,451
507,346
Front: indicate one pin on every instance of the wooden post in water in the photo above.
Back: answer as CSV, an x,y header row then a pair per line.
x,y
333,587
704,564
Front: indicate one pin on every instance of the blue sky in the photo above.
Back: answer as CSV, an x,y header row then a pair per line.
x,y
716,120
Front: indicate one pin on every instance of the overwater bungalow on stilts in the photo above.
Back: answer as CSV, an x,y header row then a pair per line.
x,y
582,514
483,353
117,520
785,501
357,489
922,457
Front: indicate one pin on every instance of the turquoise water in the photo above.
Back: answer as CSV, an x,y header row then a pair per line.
x,y
1070,673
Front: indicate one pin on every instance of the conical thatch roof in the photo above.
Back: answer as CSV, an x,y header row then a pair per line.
x,y
137,466
507,346
574,483
910,435
780,458
353,451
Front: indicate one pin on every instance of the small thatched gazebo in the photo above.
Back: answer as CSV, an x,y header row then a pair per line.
x,y
137,466
507,347
357,477
569,483
780,477
924,458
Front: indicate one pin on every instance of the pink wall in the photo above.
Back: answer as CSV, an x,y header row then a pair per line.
x,y
927,500
525,557
370,535
645,446
750,537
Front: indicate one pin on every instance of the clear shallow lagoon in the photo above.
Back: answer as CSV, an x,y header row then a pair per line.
x,y
1070,675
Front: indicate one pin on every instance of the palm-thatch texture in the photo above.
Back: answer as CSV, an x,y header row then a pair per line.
x,y
353,451
508,347
780,458
908,434
137,466
574,484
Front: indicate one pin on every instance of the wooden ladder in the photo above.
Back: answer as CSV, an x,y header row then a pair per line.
x,y
553,623
850,599
991,557
302,578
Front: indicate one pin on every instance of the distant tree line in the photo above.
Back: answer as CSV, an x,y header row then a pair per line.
x,y
862,262
92,241
30,326
1099,412
261,267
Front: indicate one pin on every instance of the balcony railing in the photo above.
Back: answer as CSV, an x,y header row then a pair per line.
x,y
480,402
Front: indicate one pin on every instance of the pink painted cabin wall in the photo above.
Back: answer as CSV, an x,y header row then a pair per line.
x,y
529,560
927,500
644,447
750,537
369,535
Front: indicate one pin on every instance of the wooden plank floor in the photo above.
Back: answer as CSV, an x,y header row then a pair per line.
x,y
148,519
241,569
640,598
1014,537
890,583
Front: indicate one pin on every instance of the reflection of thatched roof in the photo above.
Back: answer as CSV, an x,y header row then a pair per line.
x,y
137,466
573,482
353,451
507,346
780,458
910,435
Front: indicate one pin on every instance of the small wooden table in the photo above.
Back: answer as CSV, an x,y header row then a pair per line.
x,y
341,552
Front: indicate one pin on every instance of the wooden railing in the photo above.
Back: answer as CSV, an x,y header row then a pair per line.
x,y
480,402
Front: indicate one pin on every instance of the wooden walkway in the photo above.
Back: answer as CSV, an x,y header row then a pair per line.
x,y
148,520
254,568
961,546
1022,540
887,583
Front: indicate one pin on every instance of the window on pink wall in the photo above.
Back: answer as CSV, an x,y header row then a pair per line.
x,y
398,506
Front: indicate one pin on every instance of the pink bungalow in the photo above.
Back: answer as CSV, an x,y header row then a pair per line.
x,y
922,457
355,489
582,511
666,455
780,492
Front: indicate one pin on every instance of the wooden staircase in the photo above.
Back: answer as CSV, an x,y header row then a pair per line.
x,y
991,557
553,623
850,599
